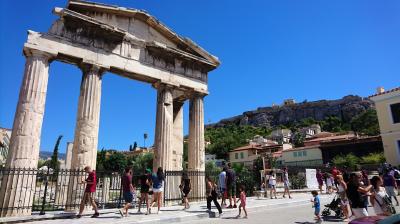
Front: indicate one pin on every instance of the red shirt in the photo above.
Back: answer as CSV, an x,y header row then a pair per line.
x,y
126,182
91,187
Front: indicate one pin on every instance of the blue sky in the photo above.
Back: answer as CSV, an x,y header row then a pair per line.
x,y
270,50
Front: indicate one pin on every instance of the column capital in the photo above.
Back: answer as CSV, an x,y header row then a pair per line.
x,y
28,52
194,94
161,86
93,68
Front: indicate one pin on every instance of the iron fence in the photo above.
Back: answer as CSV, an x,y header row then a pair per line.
x,y
52,190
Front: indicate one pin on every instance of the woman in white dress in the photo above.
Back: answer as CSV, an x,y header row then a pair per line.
x,y
378,193
272,183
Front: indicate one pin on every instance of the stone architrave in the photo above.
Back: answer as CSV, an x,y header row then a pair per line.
x,y
17,191
196,153
164,128
86,132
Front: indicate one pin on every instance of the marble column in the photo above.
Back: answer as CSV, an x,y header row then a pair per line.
x,y
17,191
87,122
84,149
196,153
164,128
177,143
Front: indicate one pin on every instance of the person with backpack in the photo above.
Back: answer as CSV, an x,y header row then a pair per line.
x,y
390,184
128,191
379,199
144,190
231,186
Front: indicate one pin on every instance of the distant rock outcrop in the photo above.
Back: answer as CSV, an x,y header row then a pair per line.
x,y
345,108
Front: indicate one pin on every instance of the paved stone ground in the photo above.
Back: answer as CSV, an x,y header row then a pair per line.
x,y
281,210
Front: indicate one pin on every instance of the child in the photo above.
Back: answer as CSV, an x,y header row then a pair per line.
x,y
242,199
316,205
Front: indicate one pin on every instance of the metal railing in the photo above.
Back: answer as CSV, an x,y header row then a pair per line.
x,y
55,190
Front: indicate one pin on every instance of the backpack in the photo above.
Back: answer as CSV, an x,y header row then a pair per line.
x,y
230,175
386,206
396,174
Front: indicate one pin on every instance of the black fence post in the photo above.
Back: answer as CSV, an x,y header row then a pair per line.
x,y
42,212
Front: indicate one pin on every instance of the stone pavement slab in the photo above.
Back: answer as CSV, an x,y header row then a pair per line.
x,y
172,214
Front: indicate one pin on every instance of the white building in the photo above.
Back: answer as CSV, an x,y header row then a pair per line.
x,y
281,135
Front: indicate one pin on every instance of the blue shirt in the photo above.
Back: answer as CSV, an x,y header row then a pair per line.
x,y
157,182
317,204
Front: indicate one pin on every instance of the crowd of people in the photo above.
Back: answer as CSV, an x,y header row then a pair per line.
x,y
153,184
357,191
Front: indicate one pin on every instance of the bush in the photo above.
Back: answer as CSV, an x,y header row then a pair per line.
x,y
297,181
349,160
373,158
245,178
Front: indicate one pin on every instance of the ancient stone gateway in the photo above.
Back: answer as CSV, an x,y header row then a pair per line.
x,y
127,42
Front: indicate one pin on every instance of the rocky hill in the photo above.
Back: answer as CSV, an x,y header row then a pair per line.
x,y
345,108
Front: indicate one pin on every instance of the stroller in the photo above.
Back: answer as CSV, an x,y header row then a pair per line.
x,y
335,206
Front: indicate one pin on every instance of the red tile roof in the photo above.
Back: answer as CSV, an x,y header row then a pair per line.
x,y
388,91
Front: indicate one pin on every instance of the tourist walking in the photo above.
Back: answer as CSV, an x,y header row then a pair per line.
x,y
212,196
272,184
231,186
128,191
222,186
317,205
186,188
320,180
379,198
286,182
242,199
158,187
390,184
357,195
144,190
329,183
90,192
344,201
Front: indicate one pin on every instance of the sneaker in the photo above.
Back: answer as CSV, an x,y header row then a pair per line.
x,y
146,213
121,213
245,217
238,216
219,215
78,216
95,215
159,212
234,206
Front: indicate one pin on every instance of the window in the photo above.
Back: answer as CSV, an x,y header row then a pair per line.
x,y
295,154
304,153
241,155
395,109
236,156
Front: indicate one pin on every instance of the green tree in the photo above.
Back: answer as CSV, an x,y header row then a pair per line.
x,y
366,123
298,139
141,162
211,168
54,158
332,124
101,159
116,162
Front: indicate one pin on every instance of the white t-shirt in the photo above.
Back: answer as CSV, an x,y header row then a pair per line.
x,y
329,181
221,179
272,180
379,197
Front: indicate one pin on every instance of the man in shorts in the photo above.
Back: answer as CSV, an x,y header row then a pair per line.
x,y
231,186
90,192
128,191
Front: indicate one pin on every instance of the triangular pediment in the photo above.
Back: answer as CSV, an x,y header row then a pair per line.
x,y
139,24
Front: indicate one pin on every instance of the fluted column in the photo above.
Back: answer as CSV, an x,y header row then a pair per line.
x,y
84,149
178,136
17,191
87,122
164,128
196,153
